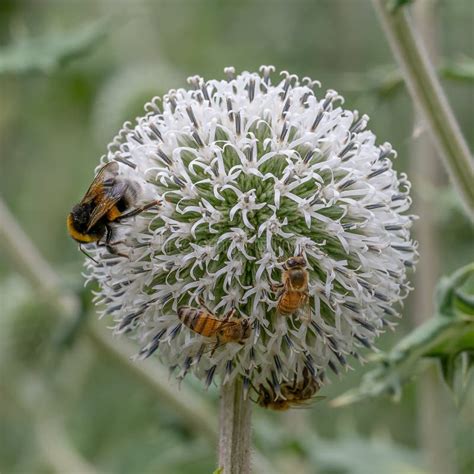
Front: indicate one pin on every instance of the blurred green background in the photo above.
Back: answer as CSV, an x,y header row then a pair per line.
x,y
71,72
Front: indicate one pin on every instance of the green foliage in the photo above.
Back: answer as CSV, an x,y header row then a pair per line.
x,y
394,5
447,338
27,325
386,81
461,69
340,454
380,455
50,51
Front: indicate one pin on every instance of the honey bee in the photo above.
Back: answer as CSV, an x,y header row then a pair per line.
x,y
296,394
106,201
202,321
293,290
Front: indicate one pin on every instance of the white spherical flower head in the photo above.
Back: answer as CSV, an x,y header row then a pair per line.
x,y
250,174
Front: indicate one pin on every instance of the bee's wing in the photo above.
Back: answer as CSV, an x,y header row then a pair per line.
x,y
222,326
305,312
227,324
109,199
97,186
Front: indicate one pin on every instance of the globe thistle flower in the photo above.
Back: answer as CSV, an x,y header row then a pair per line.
x,y
249,174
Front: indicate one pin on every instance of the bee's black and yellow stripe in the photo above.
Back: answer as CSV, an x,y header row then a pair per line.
x,y
199,321
82,237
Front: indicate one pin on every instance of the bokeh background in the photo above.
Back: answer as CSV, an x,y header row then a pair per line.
x,y
71,72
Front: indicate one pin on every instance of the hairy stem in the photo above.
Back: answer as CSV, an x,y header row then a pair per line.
x,y
436,441
234,430
429,97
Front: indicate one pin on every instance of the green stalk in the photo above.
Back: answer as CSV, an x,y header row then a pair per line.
x,y
429,97
234,430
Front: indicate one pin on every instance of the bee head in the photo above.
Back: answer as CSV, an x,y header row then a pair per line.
x,y
78,223
80,216
294,262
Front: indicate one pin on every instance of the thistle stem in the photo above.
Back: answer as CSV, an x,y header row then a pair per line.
x,y
428,95
234,430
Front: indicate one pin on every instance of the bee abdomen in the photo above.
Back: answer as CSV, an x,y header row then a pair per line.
x,y
198,321
289,302
208,326
189,316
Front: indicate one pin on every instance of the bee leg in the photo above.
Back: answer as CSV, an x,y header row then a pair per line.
x,y
139,210
108,242
87,255
201,303
229,315
275,287
216,345
278,290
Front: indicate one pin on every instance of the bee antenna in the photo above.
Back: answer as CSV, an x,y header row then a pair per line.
x,y
87,255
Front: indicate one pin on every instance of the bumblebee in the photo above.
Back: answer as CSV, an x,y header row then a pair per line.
x,y
202,321
108,199
297,394
293,290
